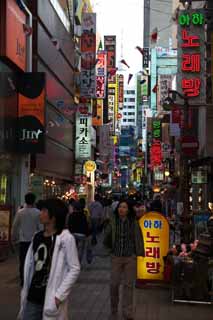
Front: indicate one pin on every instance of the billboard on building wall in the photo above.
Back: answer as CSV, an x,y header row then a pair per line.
x,y
31,112
164,84
110,48
88,56
191,55
101,74
13,38
120,90
83,133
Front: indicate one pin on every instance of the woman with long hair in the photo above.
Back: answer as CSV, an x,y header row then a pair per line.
x,y
124,238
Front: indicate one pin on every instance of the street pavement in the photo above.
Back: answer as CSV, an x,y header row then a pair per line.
x,y
89,298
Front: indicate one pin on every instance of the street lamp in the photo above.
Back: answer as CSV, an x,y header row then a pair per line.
x,y
167,173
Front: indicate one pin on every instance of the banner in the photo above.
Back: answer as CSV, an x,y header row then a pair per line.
x,y
155,229
101,74
31,112
88,56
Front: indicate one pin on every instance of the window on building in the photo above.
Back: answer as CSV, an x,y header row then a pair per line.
x,y
124,120
130,92
131,107
131,120
131,99
131,113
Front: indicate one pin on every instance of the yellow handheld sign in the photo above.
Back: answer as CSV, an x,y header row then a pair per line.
x,y
155,228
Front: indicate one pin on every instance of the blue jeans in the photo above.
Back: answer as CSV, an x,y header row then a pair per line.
x,y
81,243
33,311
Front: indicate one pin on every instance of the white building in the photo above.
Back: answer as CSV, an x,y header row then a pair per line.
x,y
129,112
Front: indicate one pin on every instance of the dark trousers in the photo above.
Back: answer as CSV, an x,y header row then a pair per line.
x,y
123,267
23,248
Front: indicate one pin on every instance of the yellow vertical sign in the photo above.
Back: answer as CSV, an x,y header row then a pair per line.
x,y
155,228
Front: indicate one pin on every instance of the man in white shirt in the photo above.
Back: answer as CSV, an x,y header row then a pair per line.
x,y
26,224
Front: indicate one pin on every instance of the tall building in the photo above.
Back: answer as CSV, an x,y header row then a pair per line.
x,y
129,114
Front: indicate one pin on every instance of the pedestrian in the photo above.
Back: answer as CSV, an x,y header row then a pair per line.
x,y
97,214
124,238
26,223
78,226
51,267
115,203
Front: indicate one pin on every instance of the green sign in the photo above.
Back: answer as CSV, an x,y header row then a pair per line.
x,y
195,19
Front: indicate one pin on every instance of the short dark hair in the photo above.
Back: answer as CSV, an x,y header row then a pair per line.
x,y
97,197
30,198
57,209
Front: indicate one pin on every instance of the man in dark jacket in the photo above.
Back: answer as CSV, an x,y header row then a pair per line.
x,y
124,238
78,226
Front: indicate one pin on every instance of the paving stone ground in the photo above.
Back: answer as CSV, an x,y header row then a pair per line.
x,y
89,299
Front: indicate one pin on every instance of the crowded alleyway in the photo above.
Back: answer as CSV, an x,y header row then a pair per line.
x,y
90,296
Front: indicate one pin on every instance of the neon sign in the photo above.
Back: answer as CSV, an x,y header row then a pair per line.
x,y
191,35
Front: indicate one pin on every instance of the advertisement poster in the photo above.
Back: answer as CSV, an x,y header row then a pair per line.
x,y
31,112
155,229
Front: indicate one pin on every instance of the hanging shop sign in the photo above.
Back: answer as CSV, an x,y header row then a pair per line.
x,y
31,112
88,55
110,48
191,55
90,166
13,37
155,229
83,135
101,74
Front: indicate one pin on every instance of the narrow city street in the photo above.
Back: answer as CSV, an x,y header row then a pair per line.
x,y
89,299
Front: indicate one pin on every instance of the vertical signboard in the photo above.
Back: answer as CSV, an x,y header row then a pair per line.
x,y
156,148
31,112
88,55
13,37
83,132
111,106
101,74
191,55
155,229
146,58
120,90
110,48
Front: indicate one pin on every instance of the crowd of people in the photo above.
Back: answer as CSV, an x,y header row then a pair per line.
x,y
56,239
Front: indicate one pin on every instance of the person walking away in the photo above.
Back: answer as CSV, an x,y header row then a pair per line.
x,y
125,239
78,226
96,214
51,267
26,224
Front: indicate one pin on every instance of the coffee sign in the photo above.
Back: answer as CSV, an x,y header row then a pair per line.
x,y
31,112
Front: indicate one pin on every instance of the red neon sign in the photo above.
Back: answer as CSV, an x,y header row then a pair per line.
x,y
191,87
191,62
